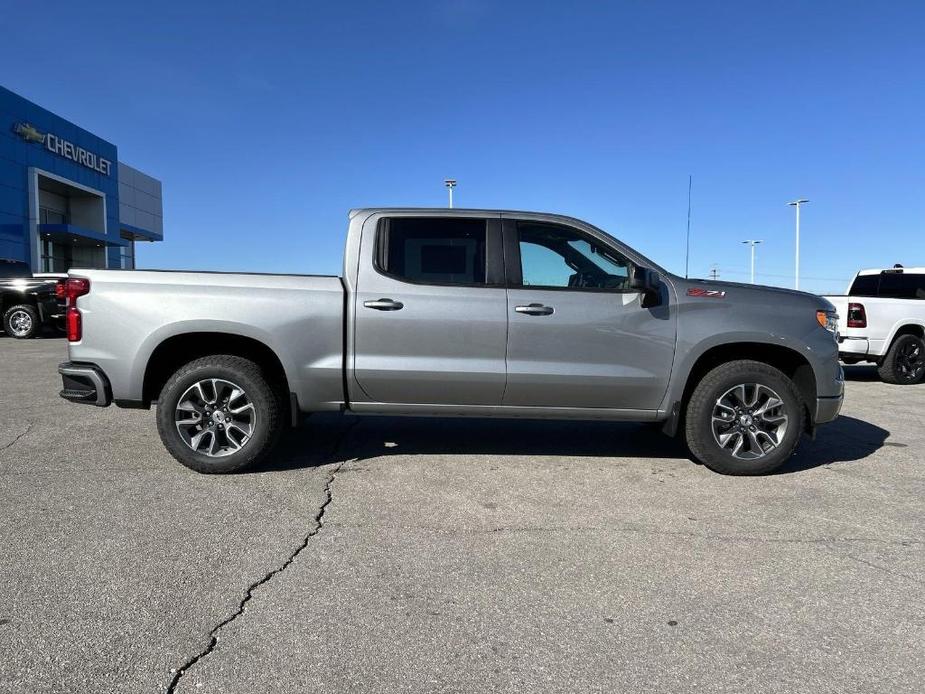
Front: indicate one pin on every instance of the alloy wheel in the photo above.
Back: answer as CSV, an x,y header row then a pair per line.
x,y
215,417
910,360
749,421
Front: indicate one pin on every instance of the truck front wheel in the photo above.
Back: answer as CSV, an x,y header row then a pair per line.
x,y
904,363
219,414
744,418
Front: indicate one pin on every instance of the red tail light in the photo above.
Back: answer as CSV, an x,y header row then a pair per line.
x,y
74,324
73,288
857,316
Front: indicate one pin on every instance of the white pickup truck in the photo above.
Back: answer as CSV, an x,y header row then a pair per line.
x,y
882,320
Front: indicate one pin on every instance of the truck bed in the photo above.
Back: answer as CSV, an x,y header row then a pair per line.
x,y
299,317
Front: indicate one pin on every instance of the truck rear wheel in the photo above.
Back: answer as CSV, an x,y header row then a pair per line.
x,y
904,363
744,418
21,321
219,414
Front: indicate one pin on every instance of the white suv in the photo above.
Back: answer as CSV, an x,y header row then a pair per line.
x,y
882,320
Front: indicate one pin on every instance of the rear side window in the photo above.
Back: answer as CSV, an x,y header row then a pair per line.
x,y
915,286
896,285
14,268
429,250
865,285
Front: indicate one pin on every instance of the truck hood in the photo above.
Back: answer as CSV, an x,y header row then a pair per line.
x,y
742,289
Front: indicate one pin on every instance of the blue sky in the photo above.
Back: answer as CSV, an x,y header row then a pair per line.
x,y
267,121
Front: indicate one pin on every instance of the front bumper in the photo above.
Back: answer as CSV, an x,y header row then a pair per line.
x,y
828,406
85,383
827,409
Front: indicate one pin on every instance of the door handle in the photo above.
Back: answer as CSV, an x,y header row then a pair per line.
x,y
384,305
535,309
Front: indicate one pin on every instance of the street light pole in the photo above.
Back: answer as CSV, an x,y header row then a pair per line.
x,y
796,279
753,243
450,183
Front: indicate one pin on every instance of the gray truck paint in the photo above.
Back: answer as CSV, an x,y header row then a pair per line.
x,y
454,350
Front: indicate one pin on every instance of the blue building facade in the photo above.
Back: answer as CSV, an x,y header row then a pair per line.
x,y
65,199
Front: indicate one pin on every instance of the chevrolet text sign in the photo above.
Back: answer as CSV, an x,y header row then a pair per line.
x,y
63,148
68,150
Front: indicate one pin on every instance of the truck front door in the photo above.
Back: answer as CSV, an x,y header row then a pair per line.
x,y
578,335
430,312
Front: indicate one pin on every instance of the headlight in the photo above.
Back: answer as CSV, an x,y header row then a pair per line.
x,y
828,320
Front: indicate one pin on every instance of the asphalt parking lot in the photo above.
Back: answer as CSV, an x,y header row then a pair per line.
x,y
387,555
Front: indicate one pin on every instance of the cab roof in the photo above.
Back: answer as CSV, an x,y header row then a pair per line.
x,y
905,270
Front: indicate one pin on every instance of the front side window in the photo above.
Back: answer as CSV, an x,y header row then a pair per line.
x,y
558,257
433,250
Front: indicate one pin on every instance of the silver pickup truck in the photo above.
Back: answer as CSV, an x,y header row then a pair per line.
x,y
457,313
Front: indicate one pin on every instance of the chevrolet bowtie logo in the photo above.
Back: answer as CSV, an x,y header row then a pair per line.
x,y
28,132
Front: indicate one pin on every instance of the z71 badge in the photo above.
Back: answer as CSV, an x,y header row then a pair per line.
x,y
708,293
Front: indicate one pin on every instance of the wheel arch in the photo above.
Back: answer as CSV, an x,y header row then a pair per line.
x,y
907,328
789,361
179,349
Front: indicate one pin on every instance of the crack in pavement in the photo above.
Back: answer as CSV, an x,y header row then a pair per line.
x,y
249,593
29,426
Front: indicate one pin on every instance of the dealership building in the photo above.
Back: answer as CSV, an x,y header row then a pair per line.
x,y
65,198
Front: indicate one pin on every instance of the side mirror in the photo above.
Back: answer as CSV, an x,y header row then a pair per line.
x,y
644,280
648,282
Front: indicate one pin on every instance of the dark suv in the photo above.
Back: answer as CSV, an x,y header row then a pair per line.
x,y
26,302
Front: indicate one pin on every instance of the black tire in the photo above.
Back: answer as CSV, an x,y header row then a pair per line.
x,y
698,426
13,325
246,375
904,363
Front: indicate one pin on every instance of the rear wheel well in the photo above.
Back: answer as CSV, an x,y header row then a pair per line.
x,y
789,361
909,329
176,351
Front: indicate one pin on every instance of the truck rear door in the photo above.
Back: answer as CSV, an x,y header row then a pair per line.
x,y
430,312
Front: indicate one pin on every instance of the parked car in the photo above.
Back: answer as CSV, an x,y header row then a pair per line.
x,y
27,302
457,313
883,322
